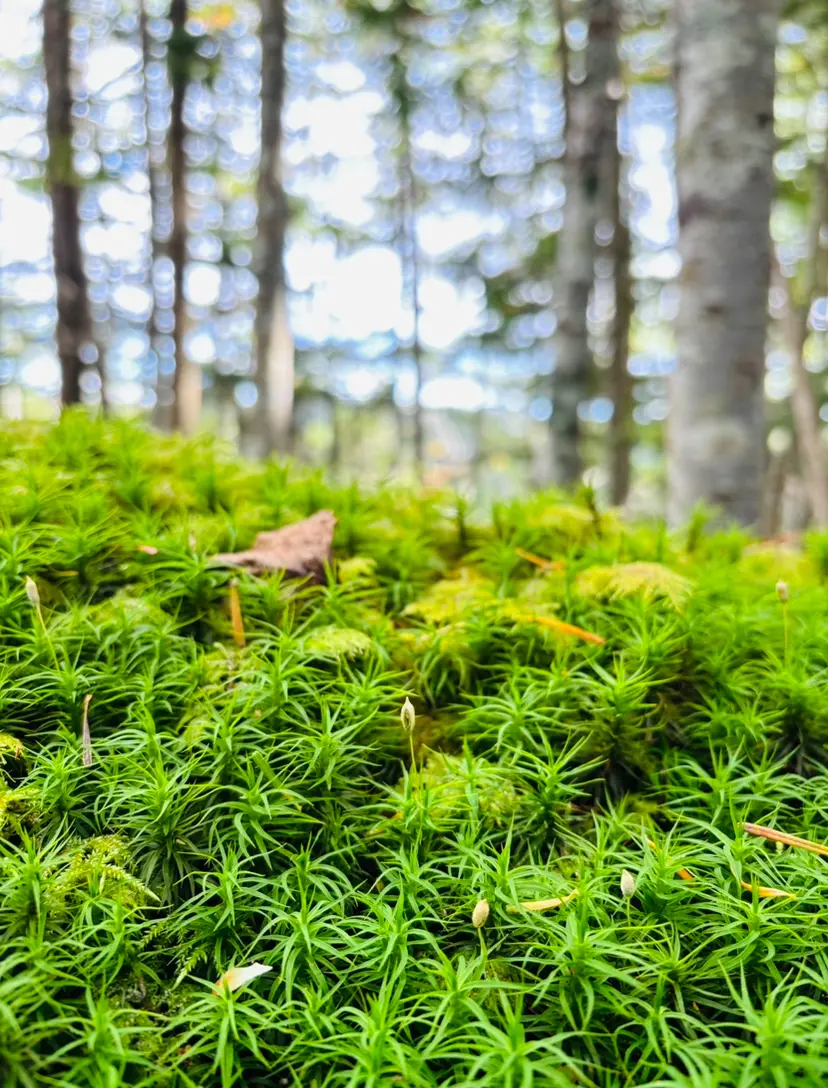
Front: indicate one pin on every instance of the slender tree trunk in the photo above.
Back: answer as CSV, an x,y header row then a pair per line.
x,y
412,265
187,377
408,248
621,390
74,323
590,128
803,403
563,56
725,146
274,360
152,178
621,386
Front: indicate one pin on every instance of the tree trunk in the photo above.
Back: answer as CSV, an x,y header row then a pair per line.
x,y
407,235
621,388
74,323
803,403
274,359
590,128
152,178
187,377
725,147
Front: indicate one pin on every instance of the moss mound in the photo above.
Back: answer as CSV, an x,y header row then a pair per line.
x,y
547,880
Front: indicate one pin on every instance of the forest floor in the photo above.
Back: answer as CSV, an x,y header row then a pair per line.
x,y
233,854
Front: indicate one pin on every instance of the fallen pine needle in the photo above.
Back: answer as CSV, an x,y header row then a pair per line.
x,y
563,628
236,617
767,893
685,874
788,840
541,904
539,561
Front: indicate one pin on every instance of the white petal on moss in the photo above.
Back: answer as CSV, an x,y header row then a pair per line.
x,y
237,977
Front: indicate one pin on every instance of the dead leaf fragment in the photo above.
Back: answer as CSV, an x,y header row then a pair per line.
x,y
86,737
237,977
300,550
541,904
788,840
236,617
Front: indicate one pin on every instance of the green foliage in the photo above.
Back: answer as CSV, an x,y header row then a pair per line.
x,y
264,804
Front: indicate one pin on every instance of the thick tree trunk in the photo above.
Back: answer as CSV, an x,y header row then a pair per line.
x,y
187,377
725,83
74,324
590,129
274,359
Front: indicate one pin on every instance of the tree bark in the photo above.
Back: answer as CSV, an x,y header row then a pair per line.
x,y
590,129
187,376
152,178
621,388
274,345
803,403
725,147
74,323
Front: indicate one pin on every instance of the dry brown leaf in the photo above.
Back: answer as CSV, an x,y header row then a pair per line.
x,y
788,840
239,976
300,550
767,893
541,904
86,737
236,617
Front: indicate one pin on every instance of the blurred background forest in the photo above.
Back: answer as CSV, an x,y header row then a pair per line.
x,y
434,238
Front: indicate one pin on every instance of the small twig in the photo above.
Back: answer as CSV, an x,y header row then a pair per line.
x,y
787,840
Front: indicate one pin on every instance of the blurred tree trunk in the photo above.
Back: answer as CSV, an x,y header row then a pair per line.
x,y
590,130
409,251
803,403
725,147
152,178
274,359
74,323
187,377
621,388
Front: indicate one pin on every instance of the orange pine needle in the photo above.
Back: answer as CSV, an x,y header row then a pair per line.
x,y
539,561
541,904
767,893
236,617
563,628
788,840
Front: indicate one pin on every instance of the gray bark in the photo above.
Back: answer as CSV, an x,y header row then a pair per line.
x,y
187,377
803,403
725,146
274,345
590,130
74,324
